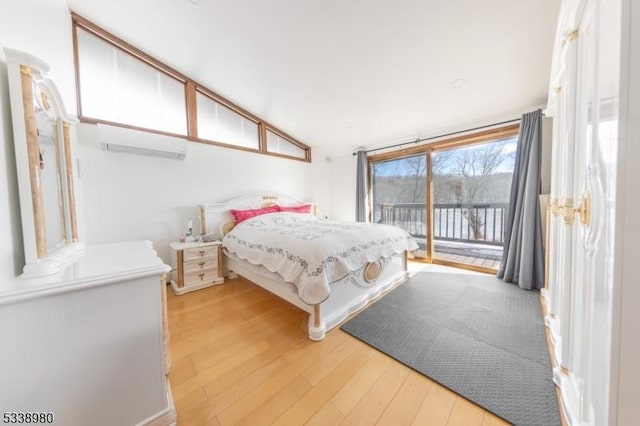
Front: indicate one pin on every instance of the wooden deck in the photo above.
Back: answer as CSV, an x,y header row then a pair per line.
x,y
485,256
469,259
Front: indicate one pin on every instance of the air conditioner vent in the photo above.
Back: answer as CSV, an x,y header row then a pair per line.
x,y
120,139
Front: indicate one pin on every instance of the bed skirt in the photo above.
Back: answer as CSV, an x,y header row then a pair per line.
x,y
348,295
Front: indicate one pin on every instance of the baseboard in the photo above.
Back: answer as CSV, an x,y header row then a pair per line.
x,y
179,291
166,417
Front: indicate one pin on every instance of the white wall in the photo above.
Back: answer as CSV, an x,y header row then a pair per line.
x,y
43,28
343,188
130,196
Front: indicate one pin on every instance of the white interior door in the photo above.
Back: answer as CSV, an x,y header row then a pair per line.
x,y
591,253
595,178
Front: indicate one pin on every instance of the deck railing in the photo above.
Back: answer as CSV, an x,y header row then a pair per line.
x,y
465,222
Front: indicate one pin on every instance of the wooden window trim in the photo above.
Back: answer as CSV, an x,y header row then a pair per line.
x,y
227,103
449,143
116,42
224,145
263,137
307,158
233,107
191,89
90,120
289,139
119,43
243,148
192,110
263,127
76,64
477,138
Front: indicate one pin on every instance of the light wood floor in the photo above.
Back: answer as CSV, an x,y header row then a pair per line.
x,y
241,355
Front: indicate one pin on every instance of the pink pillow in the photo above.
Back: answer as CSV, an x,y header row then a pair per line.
x,y
305,208
242,215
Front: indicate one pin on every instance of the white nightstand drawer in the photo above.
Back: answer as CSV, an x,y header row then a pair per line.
x,y
200,253
200,265
202,277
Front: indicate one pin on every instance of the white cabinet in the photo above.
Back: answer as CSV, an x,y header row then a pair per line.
x,y
197,265
584,102
87,345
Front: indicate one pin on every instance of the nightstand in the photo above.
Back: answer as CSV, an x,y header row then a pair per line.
x,y
197,265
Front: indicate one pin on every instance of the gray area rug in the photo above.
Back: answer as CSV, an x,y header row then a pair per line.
x,y
478,336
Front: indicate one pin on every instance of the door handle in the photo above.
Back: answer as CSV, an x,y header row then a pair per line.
x,y
584,209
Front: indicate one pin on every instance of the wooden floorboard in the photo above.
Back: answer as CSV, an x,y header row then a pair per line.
x,y
468,260
241,356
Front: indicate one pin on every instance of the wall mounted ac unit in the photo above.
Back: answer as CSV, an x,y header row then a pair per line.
x,y
120,139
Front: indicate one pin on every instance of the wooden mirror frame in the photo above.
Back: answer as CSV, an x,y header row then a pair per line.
x,y
24,71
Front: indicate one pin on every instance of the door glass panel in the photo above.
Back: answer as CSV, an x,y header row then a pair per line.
x,y
471,187
399,190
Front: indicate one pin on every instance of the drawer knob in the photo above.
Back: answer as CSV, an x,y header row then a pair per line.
x,y
201,276
201,264
201,252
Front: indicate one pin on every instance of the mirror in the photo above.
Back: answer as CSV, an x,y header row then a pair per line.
x,y
44,159
49,170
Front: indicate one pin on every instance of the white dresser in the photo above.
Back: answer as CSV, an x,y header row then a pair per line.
x,y
83,331
88,345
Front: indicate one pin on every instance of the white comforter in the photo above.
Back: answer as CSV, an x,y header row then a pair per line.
x,y
312,253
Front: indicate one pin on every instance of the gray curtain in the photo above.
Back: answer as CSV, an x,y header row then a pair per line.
x,y
522,260
361,187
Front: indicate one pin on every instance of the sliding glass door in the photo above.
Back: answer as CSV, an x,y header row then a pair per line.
x,y
471,188
399,196
451,196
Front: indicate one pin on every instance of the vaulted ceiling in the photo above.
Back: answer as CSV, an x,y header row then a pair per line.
x,y
338,74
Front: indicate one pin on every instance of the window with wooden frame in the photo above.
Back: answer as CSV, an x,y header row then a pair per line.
x,y
117,87
450,195
218,122
120,85
281,144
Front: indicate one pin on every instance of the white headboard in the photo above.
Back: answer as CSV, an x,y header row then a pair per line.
x,y
213,216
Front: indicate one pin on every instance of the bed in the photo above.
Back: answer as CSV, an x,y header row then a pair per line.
x,y
326,268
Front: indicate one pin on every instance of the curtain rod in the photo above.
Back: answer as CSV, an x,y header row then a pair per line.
x,y
439,136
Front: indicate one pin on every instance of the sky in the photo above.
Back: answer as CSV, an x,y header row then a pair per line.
x,y
407,166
